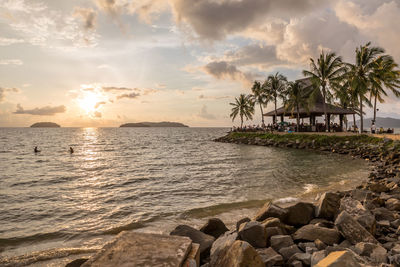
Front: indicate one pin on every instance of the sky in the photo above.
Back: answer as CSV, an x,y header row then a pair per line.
x,y
101,63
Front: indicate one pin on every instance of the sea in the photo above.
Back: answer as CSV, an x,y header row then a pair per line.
x,y
56,207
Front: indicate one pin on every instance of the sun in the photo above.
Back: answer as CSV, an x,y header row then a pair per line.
x,y
89,102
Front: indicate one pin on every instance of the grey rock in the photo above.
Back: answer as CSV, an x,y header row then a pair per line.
x,y
328,206
270,257
304,258
352,230
288,252
240,253
312,232
296,264
214,227
205,241
253,233
358,212
76,263
317,257
393,204
300,214
272,231
270,210
222,244
243,220
281,241
319,244
383,214
376,253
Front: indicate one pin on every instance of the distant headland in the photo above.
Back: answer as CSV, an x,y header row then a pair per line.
x,y
154,124
45,124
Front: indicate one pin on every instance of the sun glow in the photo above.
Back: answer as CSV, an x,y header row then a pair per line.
x,y
89,102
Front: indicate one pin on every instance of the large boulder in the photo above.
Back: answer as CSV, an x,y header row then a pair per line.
x,y
352,230
222,244
375,253
300,214
214,227
317,257
328,206
270,257
281,241
239,254
205,241
275,222
361,214
270,210
312,232
382,214
253,233
304,258
338,259
243,220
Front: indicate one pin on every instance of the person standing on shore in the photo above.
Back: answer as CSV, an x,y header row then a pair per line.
x,y
373,128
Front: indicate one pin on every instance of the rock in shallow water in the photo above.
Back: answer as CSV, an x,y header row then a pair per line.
x,y
205,241
300,214
271,210
214,227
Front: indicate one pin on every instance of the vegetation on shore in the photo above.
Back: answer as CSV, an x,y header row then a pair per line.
x,y
45,125
349,86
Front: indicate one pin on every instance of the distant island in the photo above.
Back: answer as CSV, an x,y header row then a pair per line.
x,y
382,122
45,125
154,124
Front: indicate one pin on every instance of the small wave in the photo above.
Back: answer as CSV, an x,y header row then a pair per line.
x,y
43,256
118,229
220,208
286,200
309,188
5,242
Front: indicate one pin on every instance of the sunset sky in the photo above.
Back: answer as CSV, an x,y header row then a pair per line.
x,y
106,62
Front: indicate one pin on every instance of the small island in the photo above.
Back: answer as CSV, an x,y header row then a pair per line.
x,y
45,125
154,124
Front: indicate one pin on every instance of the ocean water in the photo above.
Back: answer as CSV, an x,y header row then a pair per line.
x,y
56,206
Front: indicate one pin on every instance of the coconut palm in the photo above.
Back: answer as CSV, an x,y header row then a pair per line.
x,y
244,107
296,98
384,75
362,74
275,87
259,97
325,74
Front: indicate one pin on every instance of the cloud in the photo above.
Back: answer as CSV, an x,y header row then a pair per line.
x,y
44,111
213,97
112,88
10,41
4,91
97,114
11,62
214,20
98,104
88,17
130,96
37,24
223,70
205,115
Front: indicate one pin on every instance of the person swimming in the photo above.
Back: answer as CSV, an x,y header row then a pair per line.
x,y
71,150
36,150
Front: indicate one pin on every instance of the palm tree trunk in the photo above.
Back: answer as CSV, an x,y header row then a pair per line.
x,y
325,113
354,121
375,110
276,112
361,116
298,119
241,122
262,115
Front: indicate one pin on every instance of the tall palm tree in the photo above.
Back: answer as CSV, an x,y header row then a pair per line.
x,y
259,97
275,87
296,99
244,107
384,75
362,74
325,74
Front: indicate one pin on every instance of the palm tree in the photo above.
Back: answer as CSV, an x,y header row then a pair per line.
x,y
275,87
259,97
384,76
325,74
244,107
296,98
362,74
